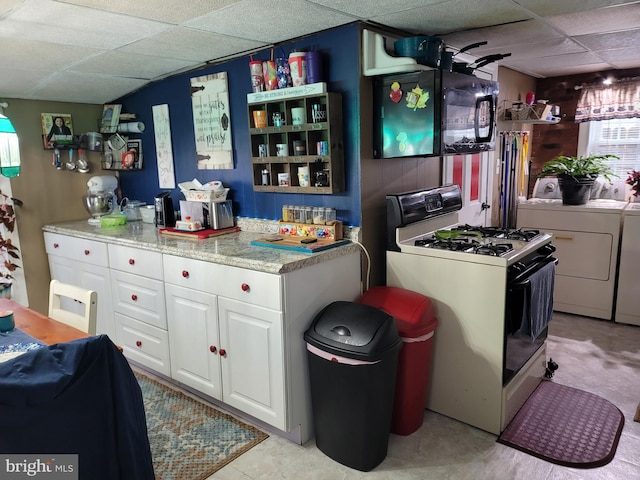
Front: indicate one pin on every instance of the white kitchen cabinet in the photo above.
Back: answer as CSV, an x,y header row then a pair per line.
x,y
193,339
252,358
234,353
83,263
139,306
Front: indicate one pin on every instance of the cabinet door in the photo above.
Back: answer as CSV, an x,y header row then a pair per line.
x,y
91,277
95,277
253,360
192,320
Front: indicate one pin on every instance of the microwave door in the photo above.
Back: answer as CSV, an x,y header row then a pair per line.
x,y
484,118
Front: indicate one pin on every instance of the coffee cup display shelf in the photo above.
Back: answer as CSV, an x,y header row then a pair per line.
x,y
275,167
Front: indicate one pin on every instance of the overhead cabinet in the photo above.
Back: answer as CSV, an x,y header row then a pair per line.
x,y
297,134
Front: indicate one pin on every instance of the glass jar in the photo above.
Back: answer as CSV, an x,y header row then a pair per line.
x,y
308,215
329,215
318,215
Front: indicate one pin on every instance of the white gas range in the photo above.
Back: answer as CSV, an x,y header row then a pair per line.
x,y
483,369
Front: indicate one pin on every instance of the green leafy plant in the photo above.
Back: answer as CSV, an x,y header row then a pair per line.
x,y
575,167
8,251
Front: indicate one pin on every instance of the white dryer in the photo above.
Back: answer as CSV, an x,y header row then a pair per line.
x,y
586,238
628,302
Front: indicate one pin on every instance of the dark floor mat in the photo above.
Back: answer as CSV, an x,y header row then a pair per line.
x,y
566,426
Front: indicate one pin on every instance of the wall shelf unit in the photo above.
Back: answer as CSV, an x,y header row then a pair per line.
x,y
326,169
537,114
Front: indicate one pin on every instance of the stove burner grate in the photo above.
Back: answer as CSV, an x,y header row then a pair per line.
x,y
494,249
454,244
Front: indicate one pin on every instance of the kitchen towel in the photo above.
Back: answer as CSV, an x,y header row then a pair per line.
x,y
539,303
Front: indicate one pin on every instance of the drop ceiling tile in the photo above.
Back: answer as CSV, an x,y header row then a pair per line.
x,y
618,54
132,65
502,36
192,45
8,5
161,10
609,19
54,22
16,83
603,41
83,88
454,15
366,10
546,8
27,54
271,21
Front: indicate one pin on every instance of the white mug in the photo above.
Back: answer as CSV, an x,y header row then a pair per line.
x,y
282,150
297,116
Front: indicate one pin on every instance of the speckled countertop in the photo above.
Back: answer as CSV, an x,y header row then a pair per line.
x,y
233,249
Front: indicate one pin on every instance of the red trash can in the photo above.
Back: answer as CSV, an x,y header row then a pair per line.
x,y
416,324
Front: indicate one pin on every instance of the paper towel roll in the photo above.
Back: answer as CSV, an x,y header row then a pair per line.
x,y
131,127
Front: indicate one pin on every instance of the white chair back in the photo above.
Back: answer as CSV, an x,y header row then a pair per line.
x,y
88,298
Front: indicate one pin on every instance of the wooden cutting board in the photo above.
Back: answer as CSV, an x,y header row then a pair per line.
x,y
200,234
293,244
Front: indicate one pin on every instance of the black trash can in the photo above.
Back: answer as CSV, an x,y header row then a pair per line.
x,y
353,356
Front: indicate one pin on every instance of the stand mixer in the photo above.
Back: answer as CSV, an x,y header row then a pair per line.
x,y
101,197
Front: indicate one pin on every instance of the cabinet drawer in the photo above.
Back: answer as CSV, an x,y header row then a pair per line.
x,y
139,297
195,274
136,261
144,343
75,248
250,286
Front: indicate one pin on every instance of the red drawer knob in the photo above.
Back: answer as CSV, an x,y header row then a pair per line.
x,y
245,287
55,245
223,352
134,297
87,252
132,261
185,274
213,349
138,343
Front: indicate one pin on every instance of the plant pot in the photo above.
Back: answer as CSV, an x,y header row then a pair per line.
x,y
575,190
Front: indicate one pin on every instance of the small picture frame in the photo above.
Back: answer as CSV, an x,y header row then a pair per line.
x,y
110,118
57,130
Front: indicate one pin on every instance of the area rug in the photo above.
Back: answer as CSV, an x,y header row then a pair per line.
x,y
191,440
566,426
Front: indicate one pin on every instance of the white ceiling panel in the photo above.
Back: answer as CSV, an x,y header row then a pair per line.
x,y
194,45
132,65
168,11
271,21
95,51
609,19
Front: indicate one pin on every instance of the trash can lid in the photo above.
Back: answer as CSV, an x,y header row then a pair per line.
x,y
354,330
413,311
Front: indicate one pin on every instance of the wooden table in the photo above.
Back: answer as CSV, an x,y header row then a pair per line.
x,y
40,326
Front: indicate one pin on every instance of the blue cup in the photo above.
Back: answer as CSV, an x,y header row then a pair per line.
x,y
6,321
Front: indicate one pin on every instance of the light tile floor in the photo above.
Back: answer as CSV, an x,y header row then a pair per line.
x,y
593,355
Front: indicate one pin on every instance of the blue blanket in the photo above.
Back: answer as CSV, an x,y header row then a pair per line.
x,y
79,397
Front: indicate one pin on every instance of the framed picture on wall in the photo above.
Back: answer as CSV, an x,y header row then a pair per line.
x,y
57,130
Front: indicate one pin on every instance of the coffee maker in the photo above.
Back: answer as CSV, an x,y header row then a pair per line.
x,y
164,210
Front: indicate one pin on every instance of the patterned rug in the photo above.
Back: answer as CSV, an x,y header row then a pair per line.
x,y
191,440
566,426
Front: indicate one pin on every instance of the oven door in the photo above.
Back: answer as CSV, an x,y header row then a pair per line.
x,y
521,341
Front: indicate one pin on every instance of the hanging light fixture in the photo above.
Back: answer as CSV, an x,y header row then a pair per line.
x,y
9,146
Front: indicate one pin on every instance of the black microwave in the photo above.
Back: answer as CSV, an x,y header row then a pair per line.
x,y
432,112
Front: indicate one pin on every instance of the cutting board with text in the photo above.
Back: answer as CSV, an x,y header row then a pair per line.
x,y
293,244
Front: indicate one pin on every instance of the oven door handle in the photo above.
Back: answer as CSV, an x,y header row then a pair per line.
x,y
518,285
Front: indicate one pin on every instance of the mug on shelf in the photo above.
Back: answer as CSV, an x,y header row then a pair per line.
x,y
282,150
299,147
263,150
260,118
297,116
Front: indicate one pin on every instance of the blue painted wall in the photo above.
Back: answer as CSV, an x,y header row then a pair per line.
x,y
340,53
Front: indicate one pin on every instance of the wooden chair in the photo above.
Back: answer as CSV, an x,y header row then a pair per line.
x,y
88,298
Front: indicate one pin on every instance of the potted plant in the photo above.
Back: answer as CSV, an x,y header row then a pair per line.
x,y
576,175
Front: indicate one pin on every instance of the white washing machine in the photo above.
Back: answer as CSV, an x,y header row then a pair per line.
x,y
586,237
628,302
